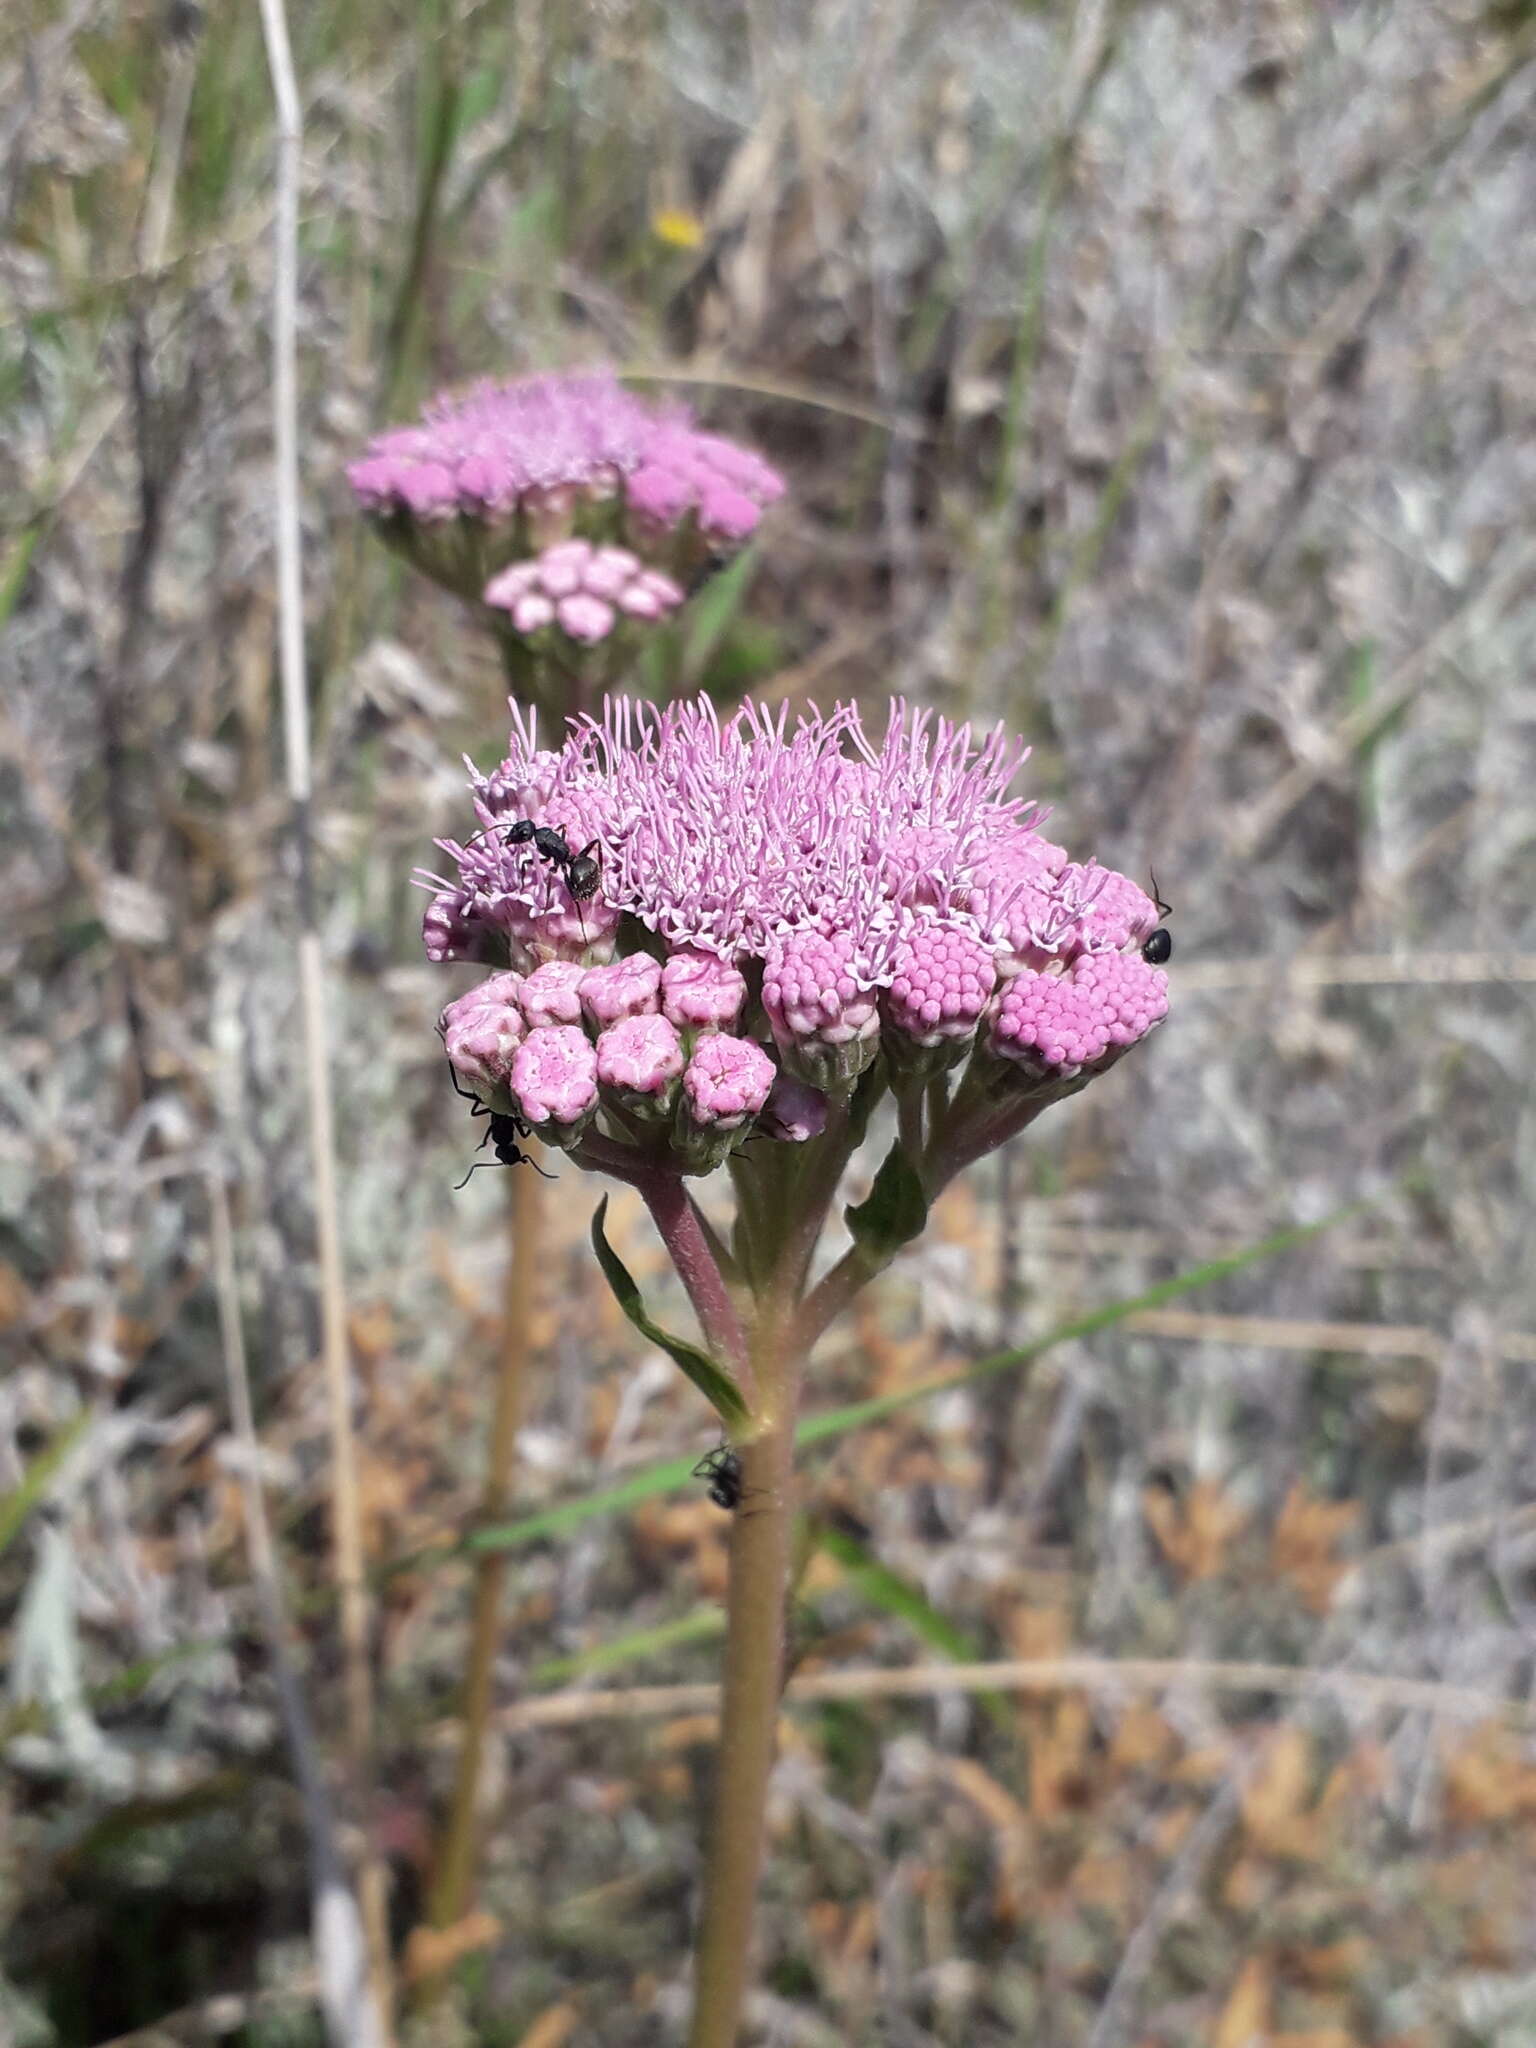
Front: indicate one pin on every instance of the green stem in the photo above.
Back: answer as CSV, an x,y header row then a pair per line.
x,y
753,1677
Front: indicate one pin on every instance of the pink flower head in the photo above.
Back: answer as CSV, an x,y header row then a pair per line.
x,y
482,1030
516,892
486,449
624,988
1058,1024
504,469
640,1061
702,992
554,1079
727,1080
584,590
552,993
867,886
942,980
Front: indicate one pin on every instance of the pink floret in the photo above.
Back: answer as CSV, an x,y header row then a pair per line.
x,y
446,929
585,618
1062,1023
554,1075
1119,915
640,1056
728,1079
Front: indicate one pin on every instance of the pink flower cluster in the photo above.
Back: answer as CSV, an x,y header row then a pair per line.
x,y
776,902
583,590
560,1042
496,474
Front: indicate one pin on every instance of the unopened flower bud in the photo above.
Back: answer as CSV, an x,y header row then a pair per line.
x,y
793,1112
552,993
481,1032
639,1063
623,988
942,981
554,1081
702,992
726,1083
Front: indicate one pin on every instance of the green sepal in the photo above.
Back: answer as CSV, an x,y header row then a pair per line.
x,y
896,1208
711,1379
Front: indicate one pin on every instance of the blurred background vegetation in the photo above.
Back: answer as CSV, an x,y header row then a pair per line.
x,y
1156,375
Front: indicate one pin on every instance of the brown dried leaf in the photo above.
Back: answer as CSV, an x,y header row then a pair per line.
x,y
1279,1817
1194,1533
1245,2018
1301,1550
553,2027
1489,1777
431,1950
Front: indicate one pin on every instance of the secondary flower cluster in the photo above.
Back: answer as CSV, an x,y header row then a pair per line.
x,y
774,906
501,473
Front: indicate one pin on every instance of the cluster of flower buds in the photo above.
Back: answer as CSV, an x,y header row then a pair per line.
x,y
772,910
494,479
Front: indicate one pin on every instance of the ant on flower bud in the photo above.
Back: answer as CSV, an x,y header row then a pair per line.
x,y
1158,946
722,1468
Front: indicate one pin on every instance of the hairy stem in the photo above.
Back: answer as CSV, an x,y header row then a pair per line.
x,y
456,1858
753,1676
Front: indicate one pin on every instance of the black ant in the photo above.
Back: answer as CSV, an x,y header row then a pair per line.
x,y
722,1468
502,1134
579,871
1158,946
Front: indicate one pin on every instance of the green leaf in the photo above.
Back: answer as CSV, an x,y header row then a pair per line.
x,y
711,611
711,1379
896,1208
18,1504
675,1472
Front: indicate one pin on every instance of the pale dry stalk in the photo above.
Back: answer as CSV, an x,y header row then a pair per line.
x,y
346,1505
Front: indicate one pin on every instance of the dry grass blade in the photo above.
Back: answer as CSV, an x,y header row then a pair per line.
x,y
341,1951
1041,1675
346,1506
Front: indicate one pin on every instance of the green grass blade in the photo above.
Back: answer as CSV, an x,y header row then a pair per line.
x,y
674,1472
698,1625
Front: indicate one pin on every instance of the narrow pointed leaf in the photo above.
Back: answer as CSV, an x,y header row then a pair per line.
x,y
711,1378
18,1504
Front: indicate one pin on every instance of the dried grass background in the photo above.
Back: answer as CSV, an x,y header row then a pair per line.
x,y
1158,377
